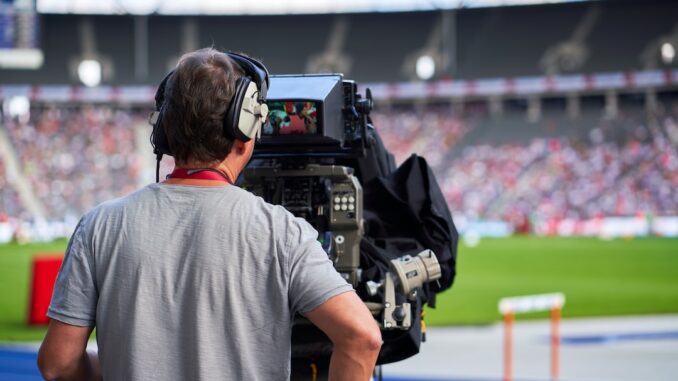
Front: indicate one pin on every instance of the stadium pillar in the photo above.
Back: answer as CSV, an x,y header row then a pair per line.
x,y
496,104
449,43
651,103
573,106
611,104
533,109
458,105
141,48
189,42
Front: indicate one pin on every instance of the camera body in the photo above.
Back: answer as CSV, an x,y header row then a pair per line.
x,y
317,127
329,197
315,115
314,120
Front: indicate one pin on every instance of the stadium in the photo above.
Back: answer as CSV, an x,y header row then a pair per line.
x,y
551,128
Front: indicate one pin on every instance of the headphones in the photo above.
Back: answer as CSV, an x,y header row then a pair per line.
x,y
243,117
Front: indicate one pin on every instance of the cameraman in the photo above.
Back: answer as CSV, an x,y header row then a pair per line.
x,y
194,278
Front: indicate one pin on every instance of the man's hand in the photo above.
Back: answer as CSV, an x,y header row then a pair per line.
x,y
356,337
63,354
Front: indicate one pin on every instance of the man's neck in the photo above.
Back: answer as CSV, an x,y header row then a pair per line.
x,y
221,167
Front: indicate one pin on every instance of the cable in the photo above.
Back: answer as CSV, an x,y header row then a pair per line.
x,y
158,157
314,372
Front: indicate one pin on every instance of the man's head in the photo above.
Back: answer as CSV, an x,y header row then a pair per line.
x,y
196,97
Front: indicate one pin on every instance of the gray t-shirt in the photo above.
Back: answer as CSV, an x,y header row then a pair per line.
x,y
192,283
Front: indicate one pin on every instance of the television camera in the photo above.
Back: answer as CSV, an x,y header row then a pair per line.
x,y
316,125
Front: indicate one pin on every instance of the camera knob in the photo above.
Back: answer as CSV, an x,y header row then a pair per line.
x,y
399,314
372,287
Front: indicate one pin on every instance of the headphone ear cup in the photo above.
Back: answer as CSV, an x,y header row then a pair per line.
x,y
232,117
160,93
252,113
255,70
158,136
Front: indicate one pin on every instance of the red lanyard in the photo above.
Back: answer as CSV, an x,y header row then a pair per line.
x,y
199,174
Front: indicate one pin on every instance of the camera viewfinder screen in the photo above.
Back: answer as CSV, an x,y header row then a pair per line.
x,y
291,118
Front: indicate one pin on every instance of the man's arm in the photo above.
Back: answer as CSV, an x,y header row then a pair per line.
x,y
356,337
63,354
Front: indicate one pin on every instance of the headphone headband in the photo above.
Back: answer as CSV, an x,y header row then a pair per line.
x,y
255,70
242,119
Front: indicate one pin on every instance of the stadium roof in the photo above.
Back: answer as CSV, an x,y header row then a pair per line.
x,y
259,7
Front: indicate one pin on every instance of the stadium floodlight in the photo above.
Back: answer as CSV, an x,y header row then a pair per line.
x,y
17,106
89,72
426,67
668,53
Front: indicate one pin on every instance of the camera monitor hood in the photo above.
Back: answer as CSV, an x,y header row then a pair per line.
x,y
307,116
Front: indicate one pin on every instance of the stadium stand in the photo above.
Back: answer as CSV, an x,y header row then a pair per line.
x,y
10,203
486,43
432,129
490,168
496,155
491,40
386,41
651,22
509,169
76,157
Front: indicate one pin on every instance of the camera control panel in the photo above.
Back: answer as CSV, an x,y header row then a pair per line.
x,y
329,197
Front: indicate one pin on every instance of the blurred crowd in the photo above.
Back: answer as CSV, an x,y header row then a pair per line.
x,y
621,167
10,203
433,130
558,179
76,157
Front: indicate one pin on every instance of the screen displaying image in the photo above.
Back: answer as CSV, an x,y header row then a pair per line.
x,y
291,118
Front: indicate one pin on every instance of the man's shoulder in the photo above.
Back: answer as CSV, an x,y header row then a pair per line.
x,y
159,196
277,218
146,200
121,202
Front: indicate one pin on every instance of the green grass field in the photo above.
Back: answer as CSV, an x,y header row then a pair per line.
x,y
598,277
15,269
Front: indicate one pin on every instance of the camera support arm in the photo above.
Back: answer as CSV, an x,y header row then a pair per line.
x,y
407,274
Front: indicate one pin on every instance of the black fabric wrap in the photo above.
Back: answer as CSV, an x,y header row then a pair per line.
x,y
405,212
